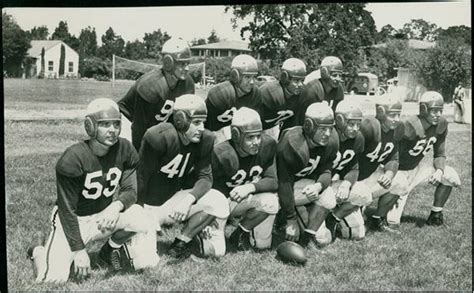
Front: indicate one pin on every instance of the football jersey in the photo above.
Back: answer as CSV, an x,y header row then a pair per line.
x,y
231,170
277,108
165,163
296,160
419,138
86,183
381,147
222,101
347,158
150,101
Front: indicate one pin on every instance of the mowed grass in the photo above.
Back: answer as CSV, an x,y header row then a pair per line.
x,y
419,258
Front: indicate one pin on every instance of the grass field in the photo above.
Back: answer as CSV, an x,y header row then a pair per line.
x,y
419,258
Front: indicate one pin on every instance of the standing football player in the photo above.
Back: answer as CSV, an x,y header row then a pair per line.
x,y
378,163
89,175
351,194
244,170
168,153
423,133
280,98
304,160
324,84
150,100
228,96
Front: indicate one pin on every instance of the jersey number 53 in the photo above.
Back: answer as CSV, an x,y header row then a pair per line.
x,y
93,188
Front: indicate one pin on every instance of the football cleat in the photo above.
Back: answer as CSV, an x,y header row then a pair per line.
x,y
332,225
180,250
435,219
111,257
379,225
37,240
239,240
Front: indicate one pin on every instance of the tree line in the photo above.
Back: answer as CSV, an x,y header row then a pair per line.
x,y
277,32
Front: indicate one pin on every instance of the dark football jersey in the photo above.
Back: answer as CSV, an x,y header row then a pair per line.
x,y
419,138
165,163
150,101
277,107
347,158
381,147
231,170
222,101
296,160
87,183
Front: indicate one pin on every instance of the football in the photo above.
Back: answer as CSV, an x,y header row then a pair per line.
x,y
292,253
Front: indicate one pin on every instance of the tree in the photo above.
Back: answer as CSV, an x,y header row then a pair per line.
x,y
154,43
62,33
386,33
456,32
112,44
15,45
41,74
420,29
213,38
307,31
135,50
38,33
197,42
62,59
88,42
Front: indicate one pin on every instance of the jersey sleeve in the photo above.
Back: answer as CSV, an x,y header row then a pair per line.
x,y
128,182
269,181
69,183
203,167
127,103
218,106
439,151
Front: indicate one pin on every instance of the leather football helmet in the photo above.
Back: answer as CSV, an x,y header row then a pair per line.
x,y
347,110
245,121
329,65
292,68
387,103
242,65
101,109
187,107
175,50
317,114
430,100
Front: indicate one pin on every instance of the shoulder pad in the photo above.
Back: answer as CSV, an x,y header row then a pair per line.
x,y
160,133
207,142
222,96
413,127
333,144
370,128
272,94
268,145
442,126
152,86
399,132
227,157
314,91
297,146
69,164
359,143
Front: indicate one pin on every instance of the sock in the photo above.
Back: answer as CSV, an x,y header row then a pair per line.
x,y
183,238
436,209
310,231
243,228
113,244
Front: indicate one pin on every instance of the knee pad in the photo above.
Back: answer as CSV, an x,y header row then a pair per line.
x,y
360,194
327,199
352,226
400,184
323,235
215,203
214,245
141,250
451,177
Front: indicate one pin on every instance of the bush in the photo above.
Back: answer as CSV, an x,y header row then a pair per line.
x,y
94,66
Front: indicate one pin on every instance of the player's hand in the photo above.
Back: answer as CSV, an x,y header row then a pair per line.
x,y
342,193
206,233
292,230
82,264
240,192
181,210
384,181
311,191
435,179
108,218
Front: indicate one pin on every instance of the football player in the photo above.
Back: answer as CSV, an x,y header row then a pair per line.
x,y
280,98
228,96
351,194
324,84
304,160
168,153
378,163
423,133
244,169
150,100
89,175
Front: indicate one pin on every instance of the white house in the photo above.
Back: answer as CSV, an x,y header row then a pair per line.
x,y
52,57
221,49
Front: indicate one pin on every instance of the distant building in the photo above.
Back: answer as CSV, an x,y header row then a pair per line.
x,y
221,49
52,57
412,43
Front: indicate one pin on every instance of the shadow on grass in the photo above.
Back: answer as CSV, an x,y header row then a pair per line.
x,y
418,221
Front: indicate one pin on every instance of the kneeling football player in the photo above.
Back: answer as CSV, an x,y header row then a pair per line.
x,y
423,133
89,175
168,154
304,160
245,171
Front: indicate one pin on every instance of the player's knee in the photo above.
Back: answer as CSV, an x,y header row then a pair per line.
x,y
214,246
400,185
327,199
360,194
135,219
451,177
268,203
323,236
215,203
352,226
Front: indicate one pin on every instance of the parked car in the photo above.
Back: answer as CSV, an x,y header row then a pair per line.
x,y
364,83
263,79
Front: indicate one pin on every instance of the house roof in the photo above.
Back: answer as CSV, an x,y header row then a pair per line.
x,y
36,47
225,45
414,44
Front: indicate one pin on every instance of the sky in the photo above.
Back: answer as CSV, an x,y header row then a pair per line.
x,y
193,22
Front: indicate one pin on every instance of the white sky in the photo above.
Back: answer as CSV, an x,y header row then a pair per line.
x,y
191,22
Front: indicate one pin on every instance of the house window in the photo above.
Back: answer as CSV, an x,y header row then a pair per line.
x,y
71,66
50,66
